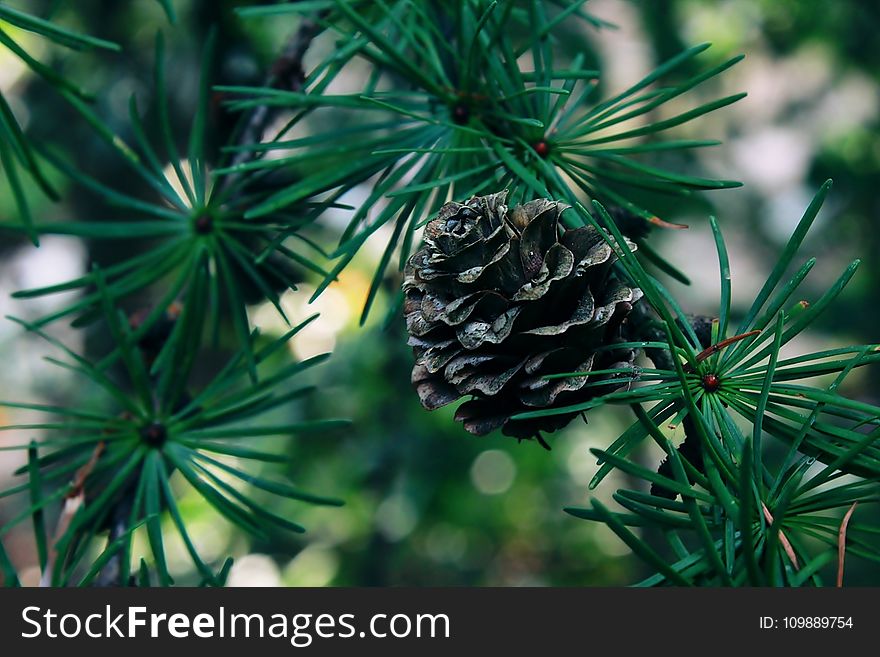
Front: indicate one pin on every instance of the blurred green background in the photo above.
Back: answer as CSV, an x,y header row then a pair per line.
x,y
426,503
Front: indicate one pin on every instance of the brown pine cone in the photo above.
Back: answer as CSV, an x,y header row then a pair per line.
x,y
498,298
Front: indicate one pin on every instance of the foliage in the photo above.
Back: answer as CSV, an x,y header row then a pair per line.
x,y
15,149
463,119
741,505
453,99
199,245
123,451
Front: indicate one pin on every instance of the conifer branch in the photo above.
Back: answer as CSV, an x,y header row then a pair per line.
x,y
287,73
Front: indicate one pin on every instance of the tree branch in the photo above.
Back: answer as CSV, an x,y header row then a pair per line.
x,y
287,73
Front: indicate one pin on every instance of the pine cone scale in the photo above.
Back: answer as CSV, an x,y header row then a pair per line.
x,y
556,266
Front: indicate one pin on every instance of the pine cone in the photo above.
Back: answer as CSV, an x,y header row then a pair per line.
x,y
496,299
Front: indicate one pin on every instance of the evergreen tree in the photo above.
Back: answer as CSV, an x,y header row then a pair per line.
x,y
516,198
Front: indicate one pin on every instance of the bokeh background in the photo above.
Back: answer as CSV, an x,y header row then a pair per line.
x,y
426,503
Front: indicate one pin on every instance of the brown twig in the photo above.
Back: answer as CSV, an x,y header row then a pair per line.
x,y
286,73
79,480
71,506
718,346
657,221
789,550
841,543
73,500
